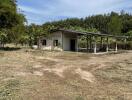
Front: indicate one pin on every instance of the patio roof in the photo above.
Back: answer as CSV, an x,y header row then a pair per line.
x,y
70,31
90,33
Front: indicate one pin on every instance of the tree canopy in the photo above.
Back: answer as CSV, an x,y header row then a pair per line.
x,y
111,23
10,20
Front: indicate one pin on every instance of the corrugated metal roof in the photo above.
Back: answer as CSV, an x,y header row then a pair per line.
x,y
90,33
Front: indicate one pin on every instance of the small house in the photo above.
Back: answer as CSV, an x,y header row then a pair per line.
x,y
60,40
68,40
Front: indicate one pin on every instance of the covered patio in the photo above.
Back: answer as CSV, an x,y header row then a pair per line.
x,y
98,42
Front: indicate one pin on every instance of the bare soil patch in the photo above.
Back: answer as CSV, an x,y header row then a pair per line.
x,y
44,75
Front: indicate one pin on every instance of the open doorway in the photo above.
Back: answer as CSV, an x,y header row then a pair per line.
x,y
72,45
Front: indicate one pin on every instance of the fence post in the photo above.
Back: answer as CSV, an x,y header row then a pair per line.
x,y
116,46
95,45
107,47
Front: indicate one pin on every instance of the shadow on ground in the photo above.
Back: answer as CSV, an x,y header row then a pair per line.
x,y
10,48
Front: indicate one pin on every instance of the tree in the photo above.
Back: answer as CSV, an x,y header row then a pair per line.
x,y
10,19
8,14
115,25
129,33
23,39
34,32
3,37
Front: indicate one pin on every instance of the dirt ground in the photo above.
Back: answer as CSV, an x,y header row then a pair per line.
x,y
44,75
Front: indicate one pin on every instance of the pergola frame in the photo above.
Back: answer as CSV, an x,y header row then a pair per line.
x,y
92,37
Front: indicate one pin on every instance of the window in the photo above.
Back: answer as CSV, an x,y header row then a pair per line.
x,y
44,42
56,43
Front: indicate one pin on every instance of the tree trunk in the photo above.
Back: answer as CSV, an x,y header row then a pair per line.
x,y
39,43
30,43
2,44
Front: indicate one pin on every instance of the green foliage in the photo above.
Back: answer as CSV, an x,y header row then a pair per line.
x,y
9,17
81,29
130,36
66,23
33,32
48,27
115,25
112,23
129,33
11,22
23,39
3,36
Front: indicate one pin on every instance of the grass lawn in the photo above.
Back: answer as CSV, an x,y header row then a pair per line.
x,y
43,75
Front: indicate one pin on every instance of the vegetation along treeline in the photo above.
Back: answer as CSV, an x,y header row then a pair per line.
x,y
11,22
14,30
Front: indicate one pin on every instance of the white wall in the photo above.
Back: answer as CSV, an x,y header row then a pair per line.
x,y
66,41
63,39
50,39
48,44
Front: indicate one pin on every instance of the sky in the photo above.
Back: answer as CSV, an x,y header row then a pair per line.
x,y
41,11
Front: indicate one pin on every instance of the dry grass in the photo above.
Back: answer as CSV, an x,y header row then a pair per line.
x,y
43,75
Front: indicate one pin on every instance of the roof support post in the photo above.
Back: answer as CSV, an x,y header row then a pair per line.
x,y
116,46
125,40
95,45
77,43
90,42
101,44
62,37
87,43
107,46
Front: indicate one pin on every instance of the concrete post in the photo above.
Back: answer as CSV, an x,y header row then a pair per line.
x,y
116,46
101,42
62,41
95,45
90,42
77,44
107,47
87,43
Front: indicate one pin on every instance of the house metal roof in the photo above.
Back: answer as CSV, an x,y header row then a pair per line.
x,y
90,33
